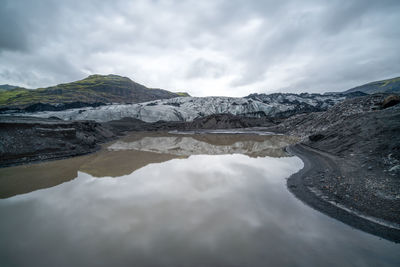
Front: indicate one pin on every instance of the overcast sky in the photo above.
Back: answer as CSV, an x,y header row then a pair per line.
x,y
212,47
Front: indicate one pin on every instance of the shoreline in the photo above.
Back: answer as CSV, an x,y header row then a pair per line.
x,y
302,186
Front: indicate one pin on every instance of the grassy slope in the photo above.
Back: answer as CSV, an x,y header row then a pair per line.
x,y
389,81
384,86
182,94
95,88
8,96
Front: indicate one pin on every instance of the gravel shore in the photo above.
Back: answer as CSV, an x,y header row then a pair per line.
x,y
317,184
352,157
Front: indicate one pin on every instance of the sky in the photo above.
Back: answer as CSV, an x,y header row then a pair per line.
x,y
218,47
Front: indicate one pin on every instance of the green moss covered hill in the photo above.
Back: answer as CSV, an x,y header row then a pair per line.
x,y
384,86
95,88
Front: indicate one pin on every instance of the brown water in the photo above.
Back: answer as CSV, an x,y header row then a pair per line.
x,y
174,200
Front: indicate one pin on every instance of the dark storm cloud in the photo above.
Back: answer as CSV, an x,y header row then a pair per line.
x,y
21,21
206,47
12,31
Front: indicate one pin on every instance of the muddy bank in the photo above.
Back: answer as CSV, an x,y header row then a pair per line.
x,y
28,139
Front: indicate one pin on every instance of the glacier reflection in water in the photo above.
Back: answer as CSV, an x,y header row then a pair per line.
x,y
133,152
199,210
186,146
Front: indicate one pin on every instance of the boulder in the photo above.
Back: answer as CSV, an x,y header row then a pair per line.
x,y
390,101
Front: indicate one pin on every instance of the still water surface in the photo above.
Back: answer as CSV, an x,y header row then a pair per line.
x,y
170,200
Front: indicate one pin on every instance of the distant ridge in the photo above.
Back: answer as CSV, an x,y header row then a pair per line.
x,y
93,89
384,86
4,87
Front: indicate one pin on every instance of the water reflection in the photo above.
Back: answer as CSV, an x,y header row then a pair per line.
x,y
186,146
204,210
133,152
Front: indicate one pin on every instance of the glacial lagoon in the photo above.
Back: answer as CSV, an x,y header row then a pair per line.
x,y
157,199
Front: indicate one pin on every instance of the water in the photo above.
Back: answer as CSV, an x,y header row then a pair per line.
x,y
170,200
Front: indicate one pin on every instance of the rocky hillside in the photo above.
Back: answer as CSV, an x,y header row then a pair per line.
x,y
364,127
384,86
190,108
305,125
93,89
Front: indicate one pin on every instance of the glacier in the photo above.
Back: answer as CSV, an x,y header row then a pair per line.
x,y
189,108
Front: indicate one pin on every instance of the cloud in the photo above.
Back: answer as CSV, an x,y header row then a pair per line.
x,y
216,47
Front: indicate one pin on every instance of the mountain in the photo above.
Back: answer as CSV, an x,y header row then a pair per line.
x,y
93,89
384,86
190,108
